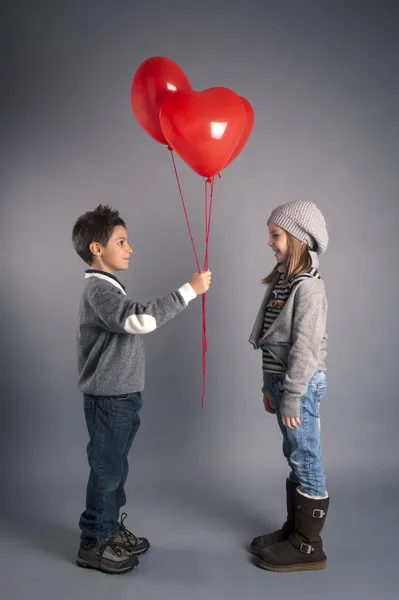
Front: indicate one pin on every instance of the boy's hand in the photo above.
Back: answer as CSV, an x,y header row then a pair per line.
x,y
291,422
200,282
268,403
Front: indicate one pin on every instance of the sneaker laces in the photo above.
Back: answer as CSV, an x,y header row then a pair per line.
x,y
127,535
118,550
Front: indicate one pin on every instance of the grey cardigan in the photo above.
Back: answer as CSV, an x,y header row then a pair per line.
x,y
110,333
297,338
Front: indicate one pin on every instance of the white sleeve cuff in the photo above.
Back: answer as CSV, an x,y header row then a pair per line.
x,y
187,293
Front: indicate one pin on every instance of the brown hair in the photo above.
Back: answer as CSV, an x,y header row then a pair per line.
x,y
94,226
298,262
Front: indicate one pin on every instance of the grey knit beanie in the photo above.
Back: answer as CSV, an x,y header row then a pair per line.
x,y
304,221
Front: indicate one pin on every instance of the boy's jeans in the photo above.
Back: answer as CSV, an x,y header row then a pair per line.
x,y
112,423
302,446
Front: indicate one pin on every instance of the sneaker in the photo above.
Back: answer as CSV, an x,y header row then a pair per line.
x,y
108,558
128,541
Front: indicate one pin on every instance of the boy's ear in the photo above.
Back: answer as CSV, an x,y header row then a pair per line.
x,y
95,248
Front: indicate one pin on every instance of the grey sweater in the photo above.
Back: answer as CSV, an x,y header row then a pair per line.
x,y
110,330
297,338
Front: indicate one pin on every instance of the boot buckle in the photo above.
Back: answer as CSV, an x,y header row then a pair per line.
x,y
306,548
318,513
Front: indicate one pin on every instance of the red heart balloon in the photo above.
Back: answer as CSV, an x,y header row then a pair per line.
x,y
204,128
247,130
155,79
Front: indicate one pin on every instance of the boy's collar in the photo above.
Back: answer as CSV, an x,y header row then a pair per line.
x,y
107,276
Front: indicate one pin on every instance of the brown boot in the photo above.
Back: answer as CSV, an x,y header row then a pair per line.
x,y
303,551
262,541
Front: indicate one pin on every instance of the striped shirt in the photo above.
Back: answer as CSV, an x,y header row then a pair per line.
x,y
275,305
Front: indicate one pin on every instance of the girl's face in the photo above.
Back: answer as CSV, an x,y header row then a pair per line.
x,y
278,242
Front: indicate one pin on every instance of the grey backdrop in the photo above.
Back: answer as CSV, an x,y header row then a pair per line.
x,y
323,80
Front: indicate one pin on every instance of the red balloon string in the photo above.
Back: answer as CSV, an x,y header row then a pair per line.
x,y
184,208
208,214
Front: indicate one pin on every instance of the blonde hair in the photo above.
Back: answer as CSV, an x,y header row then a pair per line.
x,y
298,261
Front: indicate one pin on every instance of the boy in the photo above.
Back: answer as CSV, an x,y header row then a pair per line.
x,y
111,377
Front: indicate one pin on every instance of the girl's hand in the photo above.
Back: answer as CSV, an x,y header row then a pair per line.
x,y
268,403
291,422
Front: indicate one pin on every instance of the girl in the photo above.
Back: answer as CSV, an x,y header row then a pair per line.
x,y
291,331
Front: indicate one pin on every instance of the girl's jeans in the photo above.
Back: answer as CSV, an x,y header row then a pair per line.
x,y
302,446
112,423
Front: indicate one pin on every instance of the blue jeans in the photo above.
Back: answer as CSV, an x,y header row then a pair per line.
x,y
302,446
112,423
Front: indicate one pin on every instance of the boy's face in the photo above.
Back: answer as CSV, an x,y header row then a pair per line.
x,y
278,242
115,256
